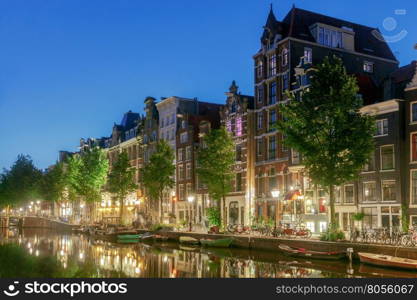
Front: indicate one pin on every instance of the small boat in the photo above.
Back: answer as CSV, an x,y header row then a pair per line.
x,y
304,253
188,240
220,243
383,260
147,236
128,236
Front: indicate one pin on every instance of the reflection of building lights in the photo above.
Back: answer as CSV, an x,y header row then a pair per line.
x,y
62,252
38,202
165,259
137,270
30,250
20,209
37,252
102,261
81,255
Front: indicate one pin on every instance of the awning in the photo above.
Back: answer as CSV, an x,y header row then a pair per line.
x,y
292,195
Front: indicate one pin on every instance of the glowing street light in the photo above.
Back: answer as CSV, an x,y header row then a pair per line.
x,y
190,201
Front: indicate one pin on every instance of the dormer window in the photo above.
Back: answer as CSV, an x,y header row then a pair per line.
x,y
284,57
330,38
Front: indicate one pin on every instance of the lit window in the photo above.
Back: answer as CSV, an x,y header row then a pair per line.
x,y
368,67
284,57
308,55
389,192
369,191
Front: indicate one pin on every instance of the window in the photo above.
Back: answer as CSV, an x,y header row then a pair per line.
x,y
309,202
413,149
189,189
370,165
349,194
238,126
188,171
414,112
389,192
371,217
285,83
180,154
368,67
413,185
284,147
308,55
295,157
330,38
272,65
337,194
259,147
238,153
387,157
272,179
184,137
260,120
260,93
272,118
413,221
181,192
284,57
322,201
272,147
259,69
238,182
181,172
369,192
381,127
273,93
188,153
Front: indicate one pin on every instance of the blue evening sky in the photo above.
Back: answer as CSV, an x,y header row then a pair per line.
x,y
71,68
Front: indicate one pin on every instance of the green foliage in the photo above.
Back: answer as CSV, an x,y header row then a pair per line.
x,y
159,227
121,180
326,127
158,174
358,216
215,164
21,183
332,234
53,183
213,216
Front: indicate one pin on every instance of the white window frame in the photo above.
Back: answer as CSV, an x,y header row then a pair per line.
x,y
411,218
308,59
393,158
377,123
382,190
411,188
363,191
344,194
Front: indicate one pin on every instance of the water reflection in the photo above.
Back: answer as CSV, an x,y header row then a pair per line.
x,y
170,260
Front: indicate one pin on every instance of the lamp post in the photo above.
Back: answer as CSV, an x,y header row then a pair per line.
x,y
190,201
275,194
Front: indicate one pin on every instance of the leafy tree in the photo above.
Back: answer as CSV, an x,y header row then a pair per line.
x,y
86,175
121,180
54,183
21,183
215,165
157,175
327,128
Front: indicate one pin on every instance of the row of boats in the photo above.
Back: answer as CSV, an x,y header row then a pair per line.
x,y
380,260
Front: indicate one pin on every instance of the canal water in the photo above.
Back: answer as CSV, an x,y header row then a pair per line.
x,y
80,256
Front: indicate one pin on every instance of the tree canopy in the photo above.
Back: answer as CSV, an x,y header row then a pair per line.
x,y
326,127
215,160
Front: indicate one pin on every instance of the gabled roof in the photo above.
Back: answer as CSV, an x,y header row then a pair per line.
x,y
129,120
404,73
298,21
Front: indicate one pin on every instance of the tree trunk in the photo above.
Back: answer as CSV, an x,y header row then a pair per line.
x,y
161,198
332,209
224,212
121,210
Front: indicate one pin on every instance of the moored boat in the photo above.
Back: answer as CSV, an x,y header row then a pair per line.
x,y
127,241
220,243
304,253
389,261
189,240
160,238
128,236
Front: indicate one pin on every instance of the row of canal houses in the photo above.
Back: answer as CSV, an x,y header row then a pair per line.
x,y
270,180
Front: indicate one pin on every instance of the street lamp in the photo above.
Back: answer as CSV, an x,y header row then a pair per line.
x,y
190,201
275,194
